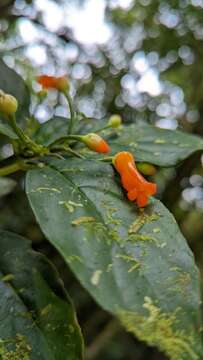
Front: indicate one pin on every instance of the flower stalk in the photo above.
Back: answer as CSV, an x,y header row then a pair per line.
x,y
12,168
72,112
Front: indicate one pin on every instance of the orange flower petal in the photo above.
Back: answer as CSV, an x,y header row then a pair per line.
x,y
132,194
53,82
142,200
128,180
121,159
151,188
138,188
46,81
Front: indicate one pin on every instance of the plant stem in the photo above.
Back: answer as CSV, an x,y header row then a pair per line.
x,y
101,341
108,159
26,141
72,113
18,131
66,138
67,149
104,128
10,169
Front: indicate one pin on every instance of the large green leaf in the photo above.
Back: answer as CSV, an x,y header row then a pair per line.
x,y
136,264
37,317
158,146
148,143
12,83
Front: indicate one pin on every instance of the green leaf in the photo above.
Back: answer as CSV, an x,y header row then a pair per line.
x,y
51,130
6,130
37,317
13,84
148,143
56,128
6,185
158,146
137,265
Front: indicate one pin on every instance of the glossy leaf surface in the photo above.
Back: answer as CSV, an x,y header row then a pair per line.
x,y
136,264
157,146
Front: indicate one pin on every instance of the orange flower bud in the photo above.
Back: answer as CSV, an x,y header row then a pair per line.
x,y
137,187
51,82
8,104
114,121
96,143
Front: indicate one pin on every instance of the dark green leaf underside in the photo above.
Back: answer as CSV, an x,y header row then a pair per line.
x,y
37,317
136,264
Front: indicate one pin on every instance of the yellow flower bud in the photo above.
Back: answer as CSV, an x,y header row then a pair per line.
x,y
115,121
8,104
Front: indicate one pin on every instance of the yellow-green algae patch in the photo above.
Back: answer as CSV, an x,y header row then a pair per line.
x,y
182,281
22,349
160,141
43,188
83,220
157,329
73,258
96,277
134,264
110,211
141,220
70,205
46,310
134,238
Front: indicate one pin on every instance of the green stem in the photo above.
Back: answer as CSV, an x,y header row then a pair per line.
x,y
108,159
26,141
72,113
104,128
67,149
102,340
10,169
18,131
66,138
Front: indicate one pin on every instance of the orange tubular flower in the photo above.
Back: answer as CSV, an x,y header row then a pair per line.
x,y
137,187
52,82
95,143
